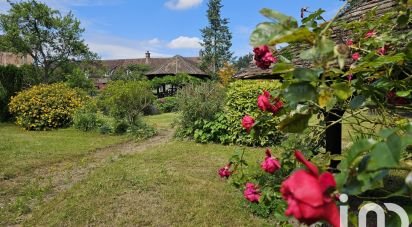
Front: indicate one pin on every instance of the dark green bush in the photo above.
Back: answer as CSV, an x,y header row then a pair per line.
x,y
206,118
167,104
85,118
120,127
198,103
126,100
105,129
11,82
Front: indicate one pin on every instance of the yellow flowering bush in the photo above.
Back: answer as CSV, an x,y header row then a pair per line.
x,y
46,106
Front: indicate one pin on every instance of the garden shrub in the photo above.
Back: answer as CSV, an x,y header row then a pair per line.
x,y
126,100
167,104
241,100
45,106
85,118
141,130
78,79
225,126
197,103
11,81
120,127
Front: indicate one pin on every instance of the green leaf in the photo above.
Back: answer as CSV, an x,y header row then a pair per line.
x,y
403,93
394,143
381,156
342,90
296,123
357,102
359,148
326,46
309,54
303,74
264,33
281,68
293,36
385,133
283,19
300,92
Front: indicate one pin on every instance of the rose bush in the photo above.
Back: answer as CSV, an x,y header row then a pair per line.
x,y
367,70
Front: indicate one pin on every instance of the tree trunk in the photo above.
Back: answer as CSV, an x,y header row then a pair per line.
x,y
334,135
46,74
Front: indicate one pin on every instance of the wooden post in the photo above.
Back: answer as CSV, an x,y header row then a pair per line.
x,y
334,134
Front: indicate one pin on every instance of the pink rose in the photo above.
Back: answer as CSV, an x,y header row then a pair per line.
x,y
225,171
370,33
349,42
264,103
350,77
306,193
356,56
251,193
383,50
264,57
271,164
248,122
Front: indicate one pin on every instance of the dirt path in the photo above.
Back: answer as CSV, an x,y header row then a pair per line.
x,y
64,180
62,176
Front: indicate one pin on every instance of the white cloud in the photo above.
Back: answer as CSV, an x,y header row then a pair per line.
x,y
113,47
184,42
182,4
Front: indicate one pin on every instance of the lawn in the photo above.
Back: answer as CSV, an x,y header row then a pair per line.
x,y
172,185
169,183
22,151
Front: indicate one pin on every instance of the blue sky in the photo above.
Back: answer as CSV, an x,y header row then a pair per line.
x,y
128,28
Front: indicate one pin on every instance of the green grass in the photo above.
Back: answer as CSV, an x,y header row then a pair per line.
x,y
22,151
161,121
173,185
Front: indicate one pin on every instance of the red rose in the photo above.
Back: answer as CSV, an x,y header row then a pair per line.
x,y
270,164
264,57
396,100
225,171
306,193
370,33
248,122
356,56
349,42
264,103
251,193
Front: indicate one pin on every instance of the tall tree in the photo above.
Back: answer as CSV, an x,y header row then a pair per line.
x,y
217,40
50,38
243,61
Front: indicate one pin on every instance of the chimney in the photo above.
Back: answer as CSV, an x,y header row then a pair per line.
x,y
147,57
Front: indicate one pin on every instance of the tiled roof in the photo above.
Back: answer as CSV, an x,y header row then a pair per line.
x,y
178,64
159,65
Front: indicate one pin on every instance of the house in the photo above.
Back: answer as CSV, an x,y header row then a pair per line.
x,y
159,67
8,58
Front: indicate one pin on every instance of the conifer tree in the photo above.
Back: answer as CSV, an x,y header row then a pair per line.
x,y
217,40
